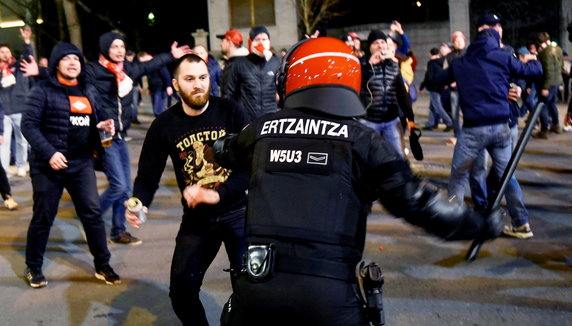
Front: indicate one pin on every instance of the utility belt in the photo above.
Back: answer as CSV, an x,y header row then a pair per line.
x,y
261,260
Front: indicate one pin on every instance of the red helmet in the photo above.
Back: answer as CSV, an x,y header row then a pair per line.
x,y
322,74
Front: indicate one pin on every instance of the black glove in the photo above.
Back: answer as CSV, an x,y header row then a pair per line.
x,y
492,225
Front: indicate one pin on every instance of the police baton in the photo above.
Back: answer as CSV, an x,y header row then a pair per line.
x,y
508,172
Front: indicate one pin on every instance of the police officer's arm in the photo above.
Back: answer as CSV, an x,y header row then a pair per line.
x,y
406,196
235,151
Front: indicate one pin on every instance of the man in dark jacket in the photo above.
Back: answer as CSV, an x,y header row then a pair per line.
x,y
436,110
383,91
315,173
60,123
186,133
251,80
159,85
483,78
113,78
14,89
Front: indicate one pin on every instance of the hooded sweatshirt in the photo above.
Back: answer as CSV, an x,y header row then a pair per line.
x,y
483,79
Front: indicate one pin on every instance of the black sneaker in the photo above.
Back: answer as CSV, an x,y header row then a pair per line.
x,y
35,277
107,274
126,238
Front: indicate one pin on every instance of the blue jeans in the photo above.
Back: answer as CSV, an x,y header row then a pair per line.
x,y
456,112
483,188
158,99
437,112
549,117
118,172
12,128
197,244
389,131
495,139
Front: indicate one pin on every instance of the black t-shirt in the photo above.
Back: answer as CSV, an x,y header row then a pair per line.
x,y
188,141
81,124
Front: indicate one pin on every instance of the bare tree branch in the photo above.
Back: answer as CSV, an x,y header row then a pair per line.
x,y
313,12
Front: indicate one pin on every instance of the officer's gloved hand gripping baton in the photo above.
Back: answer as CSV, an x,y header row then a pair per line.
x,y
508,172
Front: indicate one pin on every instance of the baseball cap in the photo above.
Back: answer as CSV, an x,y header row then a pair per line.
x,y
489,19
354,35
522,50
232,35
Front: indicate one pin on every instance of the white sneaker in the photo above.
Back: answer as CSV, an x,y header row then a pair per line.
x,y
521,232
10,203
21,172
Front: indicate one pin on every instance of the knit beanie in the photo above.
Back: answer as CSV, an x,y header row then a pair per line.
x,y
61,50
376,34
105,41
257,30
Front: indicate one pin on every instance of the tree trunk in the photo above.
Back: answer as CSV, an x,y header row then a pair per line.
x,y
72,21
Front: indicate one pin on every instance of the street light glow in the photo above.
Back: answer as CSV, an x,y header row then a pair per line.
x,y
151,16
418,3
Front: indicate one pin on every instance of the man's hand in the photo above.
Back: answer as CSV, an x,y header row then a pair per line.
x,y
514,93
107,125
179,51
29,68
396,27
410,125
132,218
58,161
316,34
26,34
195,195
529,57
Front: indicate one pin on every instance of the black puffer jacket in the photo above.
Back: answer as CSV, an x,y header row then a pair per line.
x,y
385,84
251,81
45,123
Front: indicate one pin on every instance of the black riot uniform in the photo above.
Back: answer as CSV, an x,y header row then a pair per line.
x,y
315,171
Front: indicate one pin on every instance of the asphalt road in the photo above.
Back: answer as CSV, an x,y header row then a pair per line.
x,y
513,282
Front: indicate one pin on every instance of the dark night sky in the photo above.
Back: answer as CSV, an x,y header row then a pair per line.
x,y
176,19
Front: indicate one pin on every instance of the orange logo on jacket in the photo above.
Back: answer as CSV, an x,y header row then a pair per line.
x,y
80,104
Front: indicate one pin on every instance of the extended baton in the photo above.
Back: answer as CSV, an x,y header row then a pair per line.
x,y
508,172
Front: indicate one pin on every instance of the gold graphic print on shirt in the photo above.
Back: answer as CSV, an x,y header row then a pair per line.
x,y
201,169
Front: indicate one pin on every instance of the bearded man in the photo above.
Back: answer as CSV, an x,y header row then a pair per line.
x,y
197,119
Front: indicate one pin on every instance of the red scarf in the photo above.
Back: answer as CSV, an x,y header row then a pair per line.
x,y
5,67
545,44
115,68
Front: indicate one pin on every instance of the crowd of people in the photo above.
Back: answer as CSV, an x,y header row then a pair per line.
x,y
295,177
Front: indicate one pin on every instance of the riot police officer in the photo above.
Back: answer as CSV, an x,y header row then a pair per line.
x,y
315,171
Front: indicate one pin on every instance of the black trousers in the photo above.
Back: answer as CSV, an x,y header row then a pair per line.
x,y
5,190
48,185
197,244
294,299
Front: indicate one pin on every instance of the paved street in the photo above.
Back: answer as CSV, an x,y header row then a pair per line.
x,y
513,282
